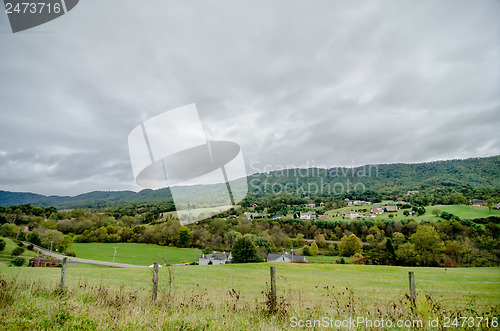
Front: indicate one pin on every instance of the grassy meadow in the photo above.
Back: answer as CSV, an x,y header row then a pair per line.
x,y
463,211
138,254
233,297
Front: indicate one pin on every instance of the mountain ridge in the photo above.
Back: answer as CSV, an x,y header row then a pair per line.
x,y
471,173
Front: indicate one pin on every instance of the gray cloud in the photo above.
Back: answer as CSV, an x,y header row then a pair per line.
x,y
334,82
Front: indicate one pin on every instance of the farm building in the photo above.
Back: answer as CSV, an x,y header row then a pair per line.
x,y
215,259
41,261
391,208
287,257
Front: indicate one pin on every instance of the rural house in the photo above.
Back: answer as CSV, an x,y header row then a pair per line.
x,y
287,257
391,208
352,215
255,215
377,210
310,215
215,259
477,203
40,261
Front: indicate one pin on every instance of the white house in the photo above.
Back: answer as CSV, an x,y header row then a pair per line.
x,y
215,259
352,215
287,257
310,215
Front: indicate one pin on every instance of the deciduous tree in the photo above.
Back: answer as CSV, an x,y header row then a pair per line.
x,y
350,245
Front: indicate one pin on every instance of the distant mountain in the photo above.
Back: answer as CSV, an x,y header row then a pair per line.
x,y
94,199
468,173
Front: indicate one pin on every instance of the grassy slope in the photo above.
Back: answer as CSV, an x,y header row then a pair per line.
x,y
464,212
4,260
139,254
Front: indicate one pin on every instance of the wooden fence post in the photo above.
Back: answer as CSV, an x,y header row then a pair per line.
x,y
63,274
155,281
273,289
413,294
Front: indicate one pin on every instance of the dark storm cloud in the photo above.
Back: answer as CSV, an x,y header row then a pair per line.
x,y
332,82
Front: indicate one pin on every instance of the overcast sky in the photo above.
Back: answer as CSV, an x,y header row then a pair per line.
x,y
333,83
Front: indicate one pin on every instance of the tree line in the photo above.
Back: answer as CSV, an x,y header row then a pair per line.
x,y
449,242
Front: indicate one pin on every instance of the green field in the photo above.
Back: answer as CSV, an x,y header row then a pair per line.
x,y
231,297
370,283
462,211
326,259
138,254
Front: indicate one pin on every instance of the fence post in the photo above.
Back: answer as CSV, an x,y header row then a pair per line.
x,y
155,281
273,289
63,274
413,294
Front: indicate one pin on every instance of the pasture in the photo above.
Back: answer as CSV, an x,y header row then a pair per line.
x,y
138,254
233,297
462,211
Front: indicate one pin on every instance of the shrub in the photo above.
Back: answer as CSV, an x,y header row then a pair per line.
x,y
2,244
31,247
17,251
17,261
207,250
71,253
313,249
